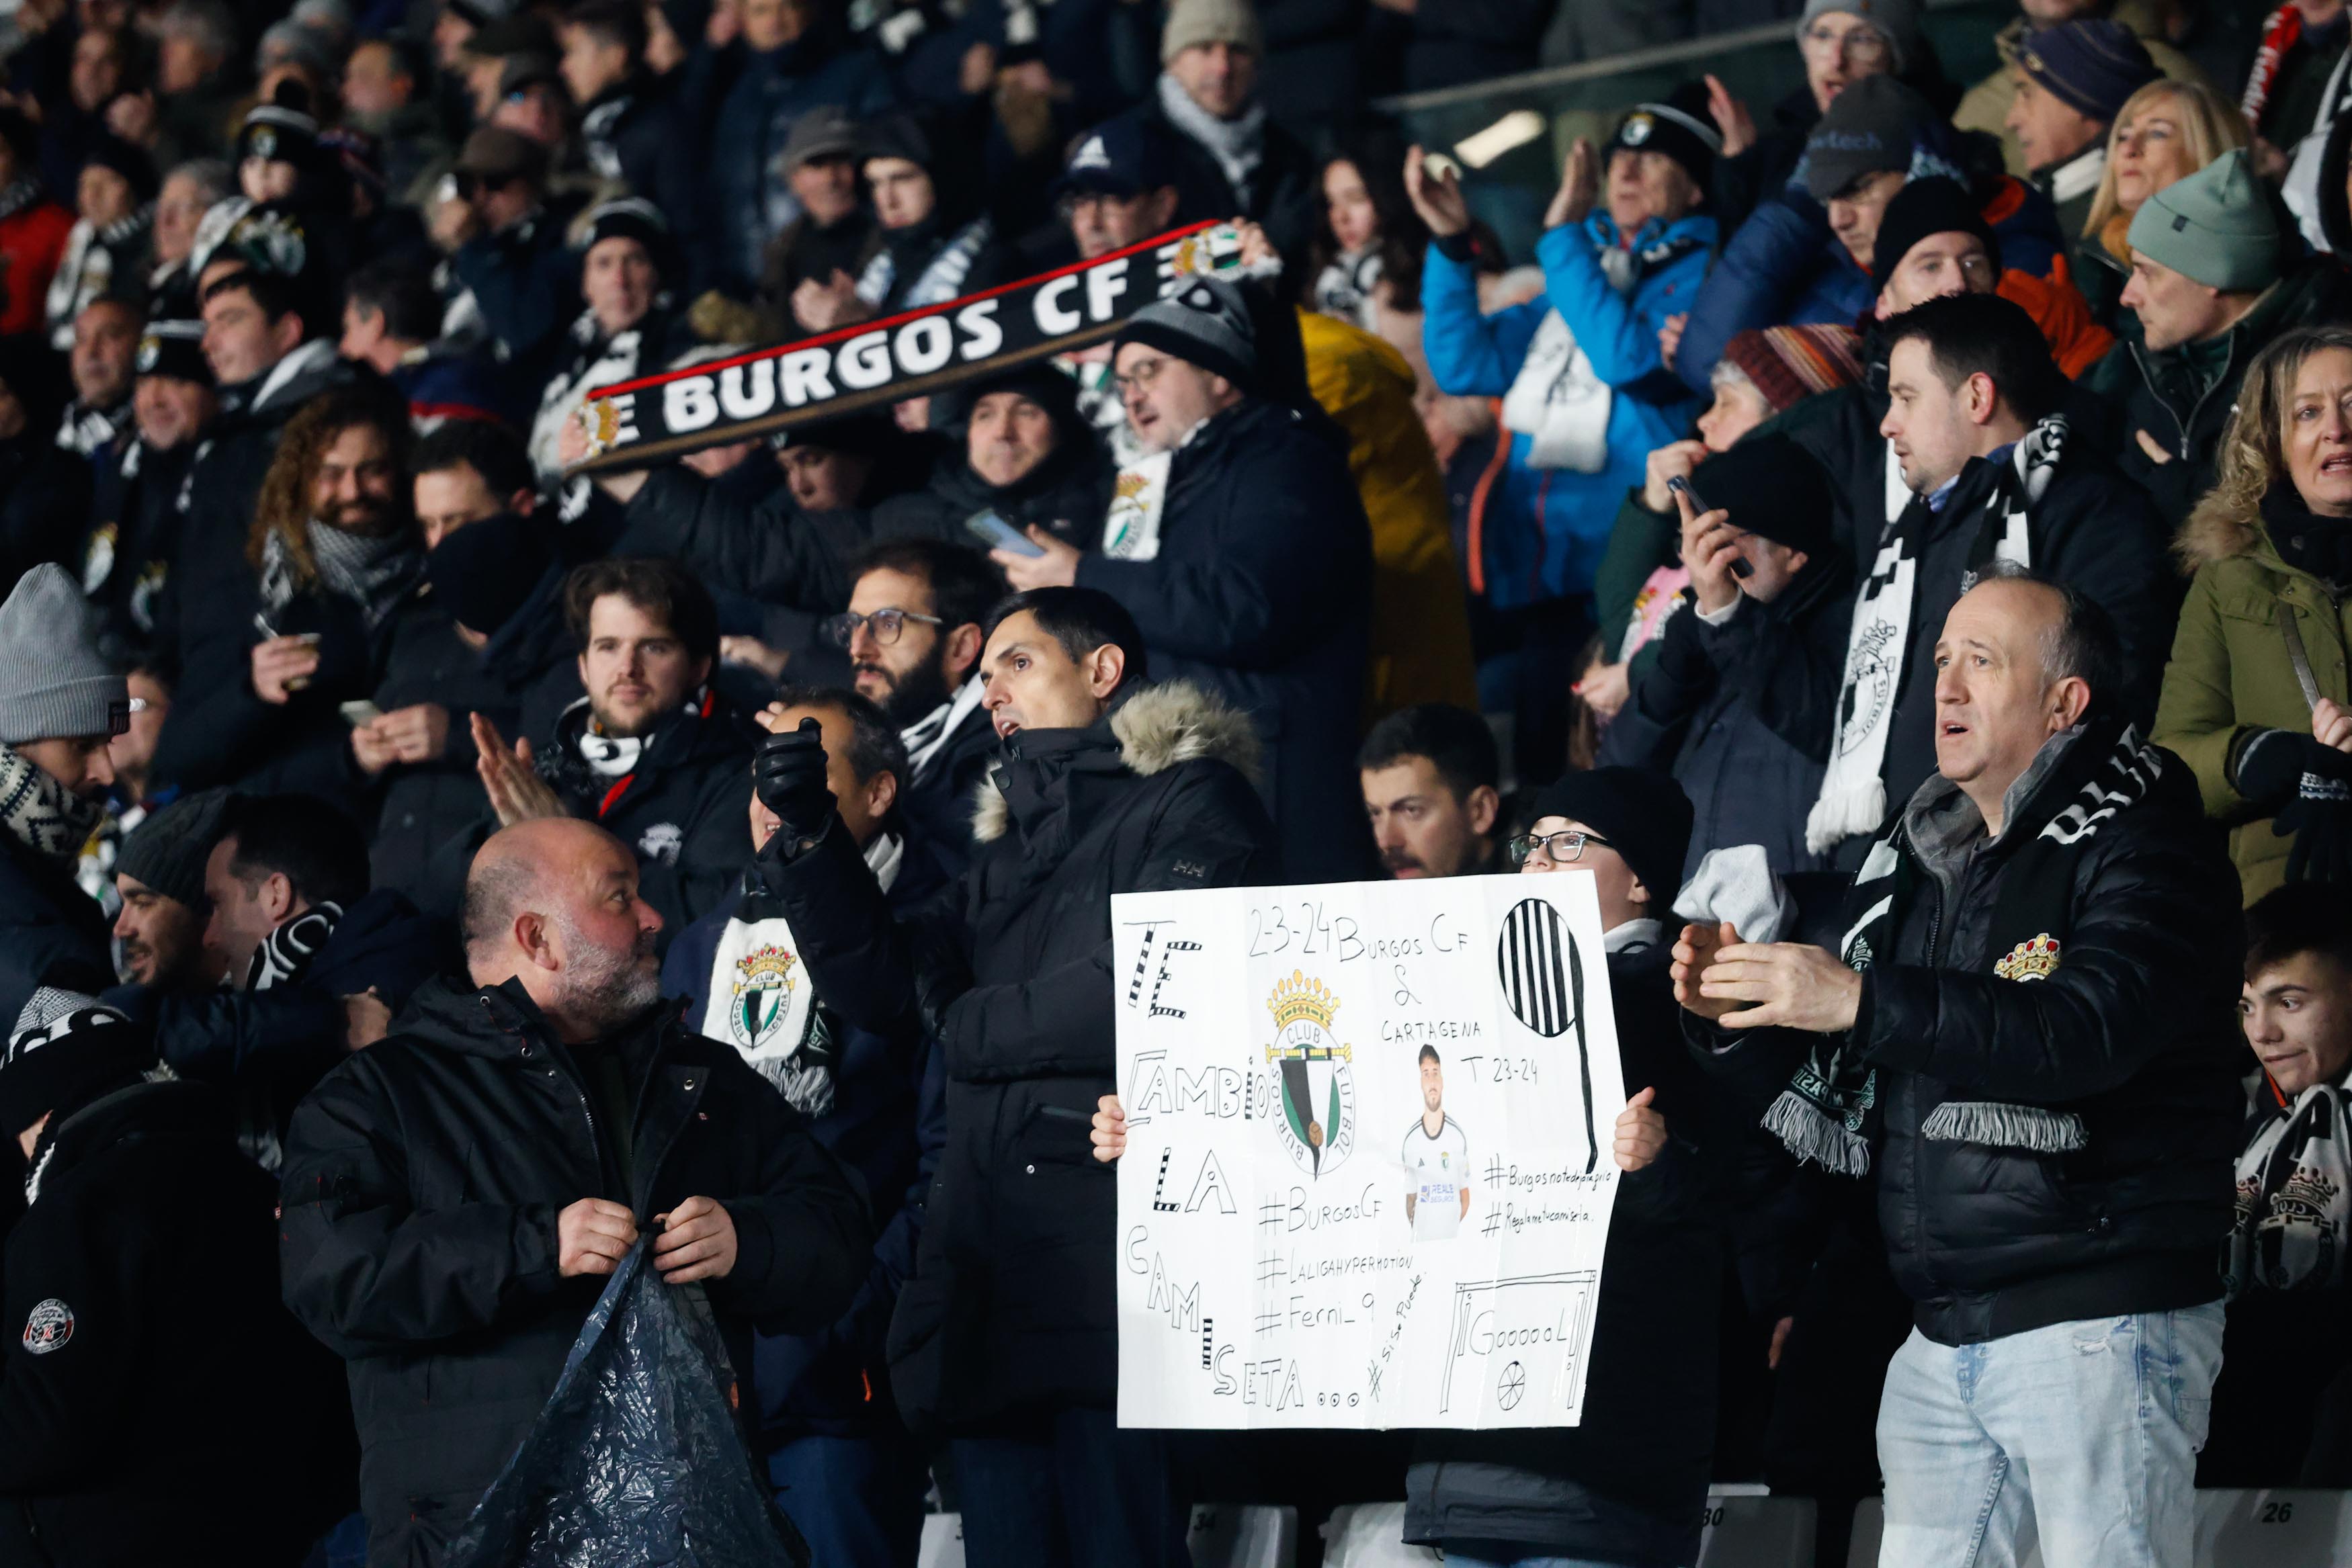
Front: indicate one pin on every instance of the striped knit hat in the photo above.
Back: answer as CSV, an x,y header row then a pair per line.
x,y
1790,364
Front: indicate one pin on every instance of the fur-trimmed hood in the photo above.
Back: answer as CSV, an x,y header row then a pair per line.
x,y
1157,726
2215,533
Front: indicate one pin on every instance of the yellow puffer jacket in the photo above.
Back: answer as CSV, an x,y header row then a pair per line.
x,y
1420,626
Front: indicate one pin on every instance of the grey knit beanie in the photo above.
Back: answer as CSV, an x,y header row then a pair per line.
x,y
168,850
1207,324
2216,225
54,683
1191,22
1896,21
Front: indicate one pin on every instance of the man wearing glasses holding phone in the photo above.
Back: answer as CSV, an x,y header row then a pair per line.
x,y
506,245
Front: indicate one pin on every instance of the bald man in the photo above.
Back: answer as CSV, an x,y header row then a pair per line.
x,y
455,1195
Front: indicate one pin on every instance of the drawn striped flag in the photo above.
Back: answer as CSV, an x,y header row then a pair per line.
x,y
1533,959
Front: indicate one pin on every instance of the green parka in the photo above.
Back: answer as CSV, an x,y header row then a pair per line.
x,y
2229,672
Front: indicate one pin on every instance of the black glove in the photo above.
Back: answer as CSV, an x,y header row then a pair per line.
x,y
788,775
2309,785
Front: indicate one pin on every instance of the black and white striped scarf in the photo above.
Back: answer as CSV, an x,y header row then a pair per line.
x,y
2077,783
1853,795
376,574
942,278
282,957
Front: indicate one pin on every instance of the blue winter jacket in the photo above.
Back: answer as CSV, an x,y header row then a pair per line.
x,y
1544,530
1784,268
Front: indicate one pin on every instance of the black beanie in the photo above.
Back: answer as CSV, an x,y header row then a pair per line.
x,y
65,1043
1038,381
1774,489
1679,128
282,131
896,136
174,349
1643,814
128,160
1936,204
167,851
486,572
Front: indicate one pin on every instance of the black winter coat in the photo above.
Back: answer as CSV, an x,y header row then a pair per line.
x,y
48,927
886,1118
1013,1306
1259,594
2183,396
269,1049
422,1182
126,557
1067,495
2092,529
1628,1485
937,802
1286,191
792,561
426,804
175,1412
218,732
2134,1032
1742,714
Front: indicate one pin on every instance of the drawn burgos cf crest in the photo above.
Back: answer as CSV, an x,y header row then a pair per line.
x,y
1319,1093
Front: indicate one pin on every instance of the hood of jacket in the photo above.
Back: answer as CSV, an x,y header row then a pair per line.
x,y
1154,727
159,1108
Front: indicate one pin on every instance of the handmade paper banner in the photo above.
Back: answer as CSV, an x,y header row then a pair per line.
x,y
911,355
1366,1179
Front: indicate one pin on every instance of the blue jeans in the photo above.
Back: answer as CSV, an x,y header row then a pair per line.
x,y
1071,1490
859,1501
2094,1426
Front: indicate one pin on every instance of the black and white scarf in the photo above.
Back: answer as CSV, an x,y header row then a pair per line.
x,y
84,429
281,958
376,574
1853,795
942,278
2078,781
42,814
2295,1199
761,999
1346,285
925,739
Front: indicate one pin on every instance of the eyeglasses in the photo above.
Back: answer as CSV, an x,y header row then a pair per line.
x,y
842,629
1146,372
1561,849
1862,45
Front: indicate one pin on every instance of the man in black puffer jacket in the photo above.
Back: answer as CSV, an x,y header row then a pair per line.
x,y
1005,1340
1019,449
1240,546
455,1194
2029,1037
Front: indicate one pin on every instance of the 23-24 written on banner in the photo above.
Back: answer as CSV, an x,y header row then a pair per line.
x,y
1368,1178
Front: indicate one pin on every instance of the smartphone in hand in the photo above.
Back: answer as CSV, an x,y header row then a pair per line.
x,y
995,533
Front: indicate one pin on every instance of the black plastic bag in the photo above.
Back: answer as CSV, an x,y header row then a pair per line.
x,y
635,1462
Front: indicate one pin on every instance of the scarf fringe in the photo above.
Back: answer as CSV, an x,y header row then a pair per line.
x,y
1809,1134
1989,1123
1836,817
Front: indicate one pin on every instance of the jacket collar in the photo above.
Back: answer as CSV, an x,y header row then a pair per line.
x,y
1147,730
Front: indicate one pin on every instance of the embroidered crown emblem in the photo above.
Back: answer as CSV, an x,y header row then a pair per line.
x,y
2030,960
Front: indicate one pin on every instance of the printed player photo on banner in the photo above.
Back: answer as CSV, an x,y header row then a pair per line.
x,y
1363,1183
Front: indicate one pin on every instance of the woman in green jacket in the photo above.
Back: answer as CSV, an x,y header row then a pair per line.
x,y
2255,695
